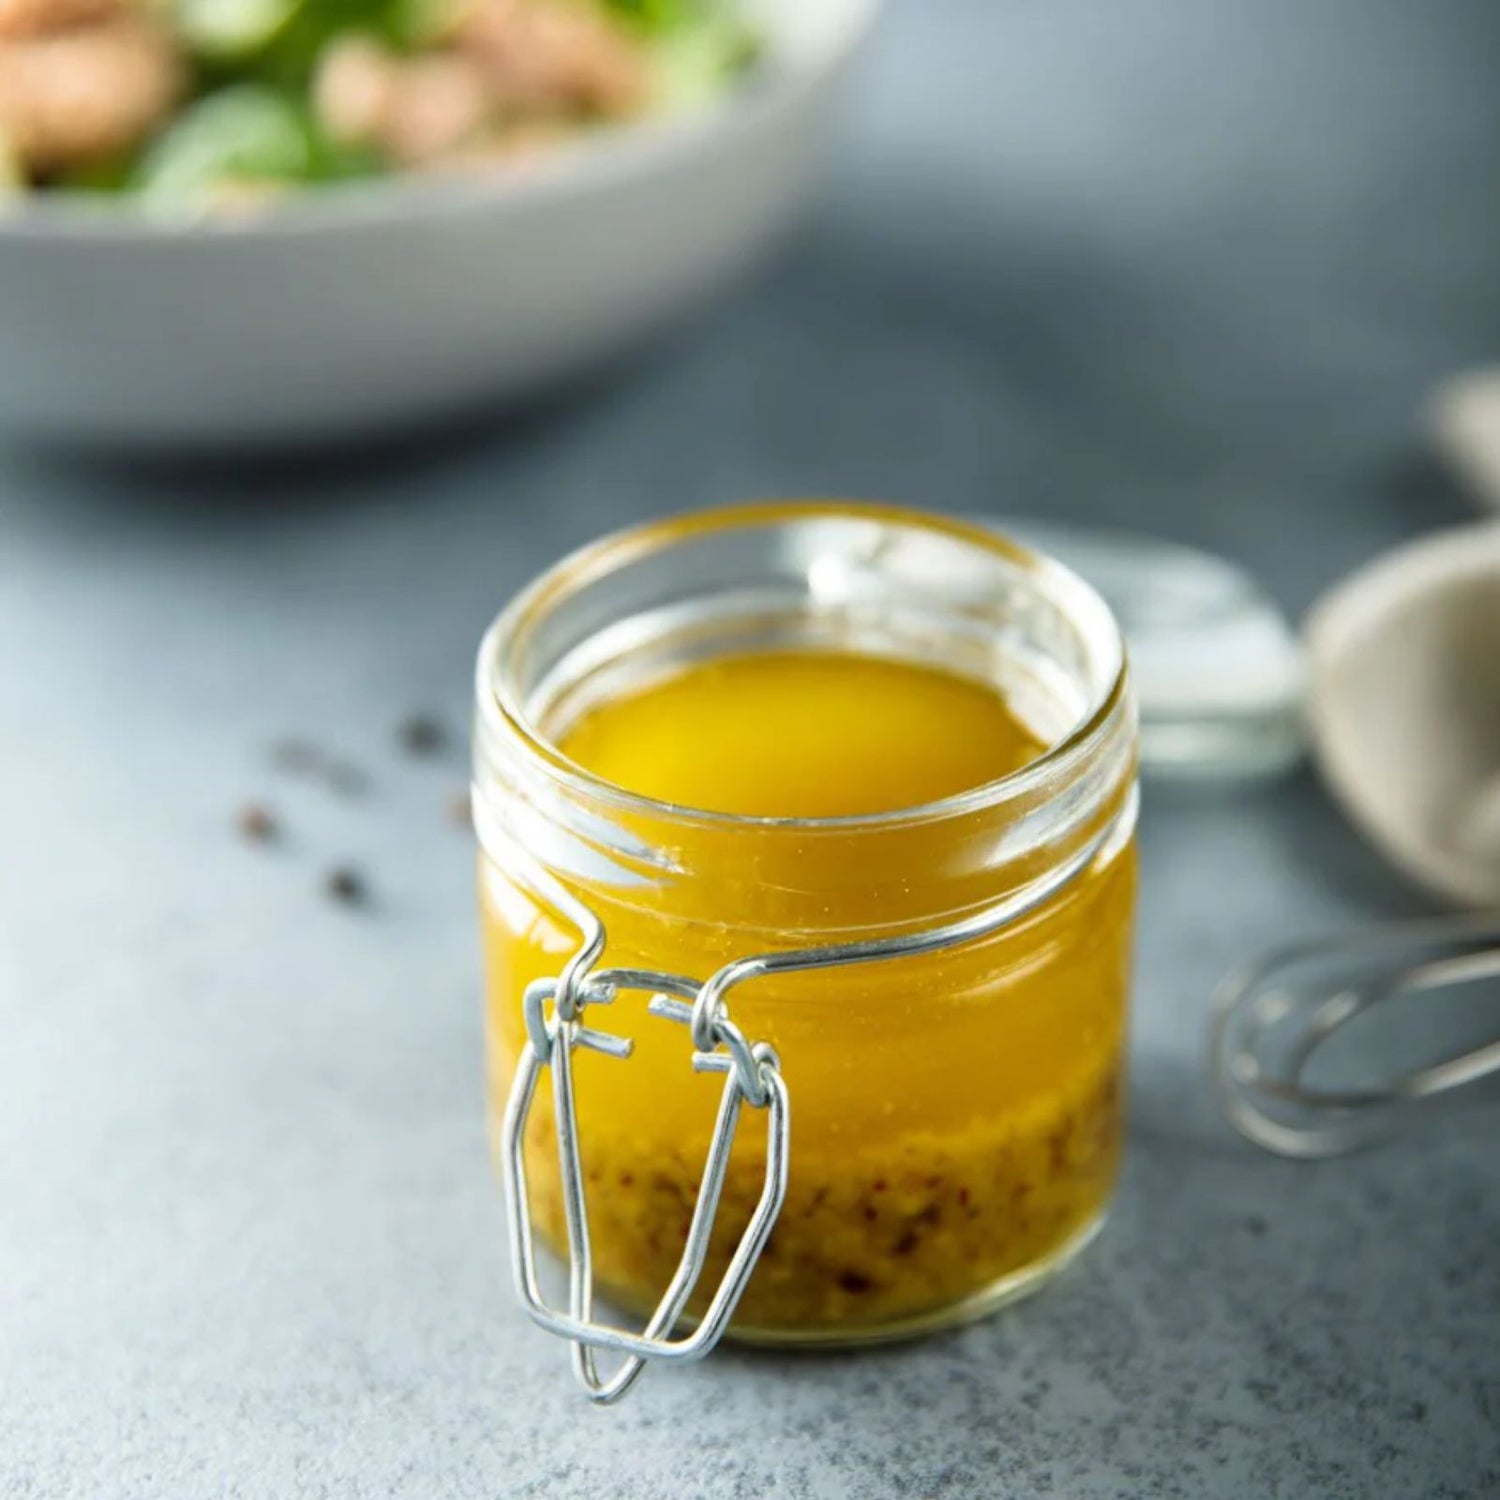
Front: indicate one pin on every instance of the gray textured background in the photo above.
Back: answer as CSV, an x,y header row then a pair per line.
x,y
1187,265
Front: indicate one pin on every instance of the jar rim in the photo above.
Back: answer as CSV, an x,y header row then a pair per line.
x,y
500,709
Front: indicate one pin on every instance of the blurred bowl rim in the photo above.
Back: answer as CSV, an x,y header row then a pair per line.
x,y
618,155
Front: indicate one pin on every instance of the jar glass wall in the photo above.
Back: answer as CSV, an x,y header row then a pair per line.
x,y
956,1115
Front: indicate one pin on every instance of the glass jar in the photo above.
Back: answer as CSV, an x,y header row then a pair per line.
x,y
952,1057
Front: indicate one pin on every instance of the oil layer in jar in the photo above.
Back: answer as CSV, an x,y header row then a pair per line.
x,y
956,1117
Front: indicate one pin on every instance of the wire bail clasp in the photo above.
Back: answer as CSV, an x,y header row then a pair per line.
x,y
752,1074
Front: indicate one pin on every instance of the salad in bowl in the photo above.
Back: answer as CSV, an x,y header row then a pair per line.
x,y
192,106
250,222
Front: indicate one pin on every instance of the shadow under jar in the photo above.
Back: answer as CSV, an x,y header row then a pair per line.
x,y
955,1114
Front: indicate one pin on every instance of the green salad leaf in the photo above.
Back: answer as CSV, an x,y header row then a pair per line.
x,y
657,16
693,63
232,31
246,134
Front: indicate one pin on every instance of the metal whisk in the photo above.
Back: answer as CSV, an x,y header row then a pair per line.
x,y
1271,1018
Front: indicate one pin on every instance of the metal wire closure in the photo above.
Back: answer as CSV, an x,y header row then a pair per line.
x,y
1271,1018
752,1075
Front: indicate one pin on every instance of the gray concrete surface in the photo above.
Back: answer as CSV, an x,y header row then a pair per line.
x,y
1188,266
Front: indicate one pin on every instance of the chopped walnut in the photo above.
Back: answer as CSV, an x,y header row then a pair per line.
x,y
413,111
33,17
77,96
352,91
554,55
440,103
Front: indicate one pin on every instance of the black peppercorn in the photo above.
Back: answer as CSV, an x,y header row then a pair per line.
x,y
421,734
256,823
345,885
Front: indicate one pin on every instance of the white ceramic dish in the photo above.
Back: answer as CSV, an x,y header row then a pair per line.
x,y
1404,680
358,308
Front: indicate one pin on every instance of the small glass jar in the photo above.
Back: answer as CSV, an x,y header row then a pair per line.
x,y
955,1106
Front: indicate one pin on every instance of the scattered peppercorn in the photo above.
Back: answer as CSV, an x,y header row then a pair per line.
x,y
346,885
256,823
421,734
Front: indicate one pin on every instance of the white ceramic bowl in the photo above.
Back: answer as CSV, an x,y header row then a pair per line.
x,y
357,308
